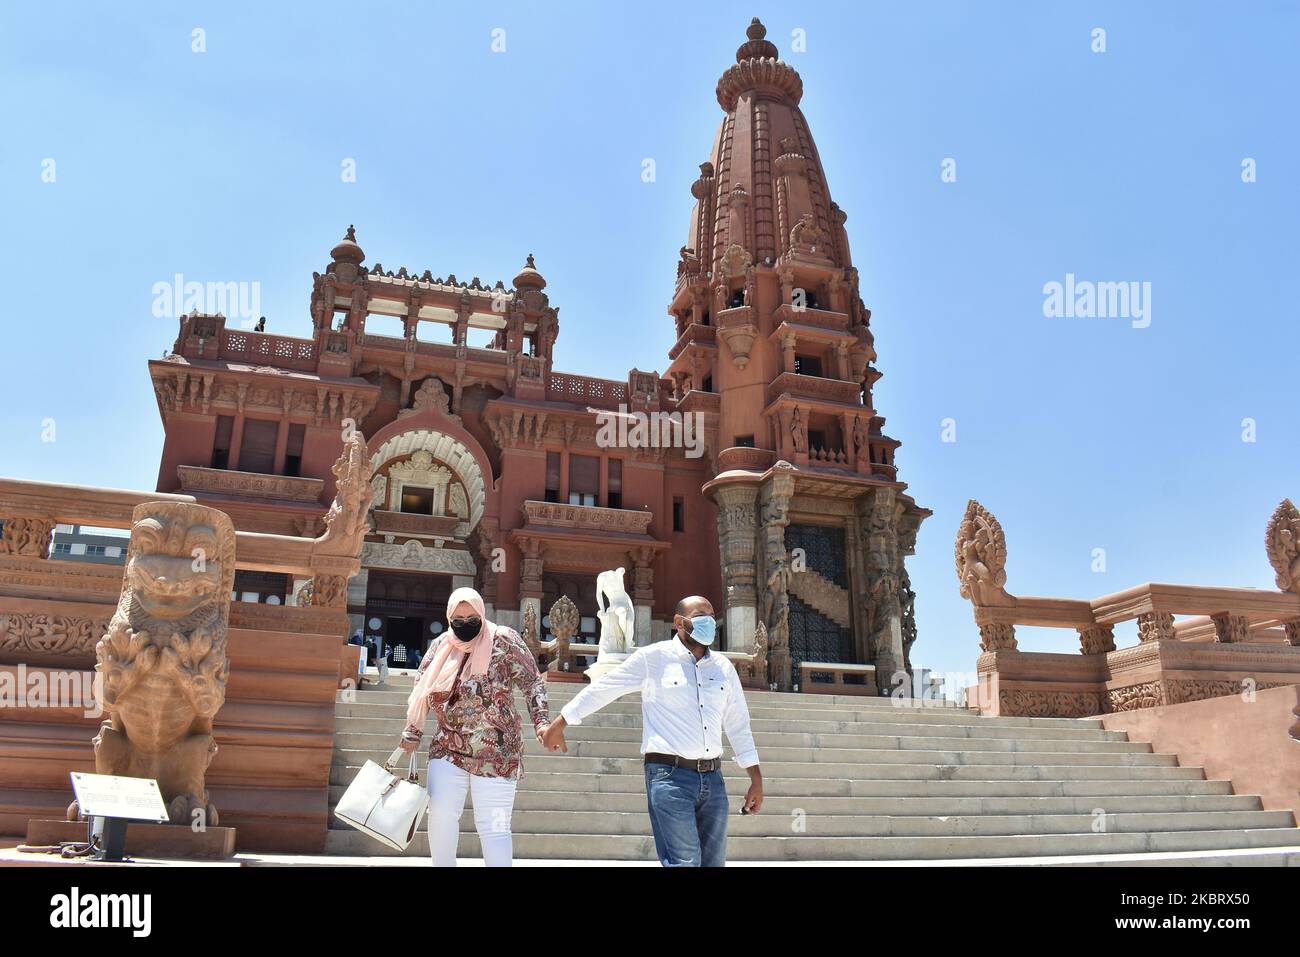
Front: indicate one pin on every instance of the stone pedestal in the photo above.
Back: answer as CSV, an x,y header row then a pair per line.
x,y
604,664
145,840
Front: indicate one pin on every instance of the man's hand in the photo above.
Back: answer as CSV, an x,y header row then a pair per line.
x,y
552,736
754,796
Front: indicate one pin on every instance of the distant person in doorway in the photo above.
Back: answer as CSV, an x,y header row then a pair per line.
x,y
467,681
382,661
689,696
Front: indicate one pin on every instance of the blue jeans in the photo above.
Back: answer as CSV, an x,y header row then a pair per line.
x,y
688,814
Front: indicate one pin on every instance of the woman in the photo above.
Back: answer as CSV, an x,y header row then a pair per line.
x,y
467,680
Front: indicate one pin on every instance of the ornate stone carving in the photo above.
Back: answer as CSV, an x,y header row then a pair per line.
x,y
163,660
29,537
1282,541
529,632
1147,694
1230,628
254,485
997,636
1155,626
1048,704
564,620
1097,639
981,556
324,591
623,520
416,556
72,637
432,397
347,522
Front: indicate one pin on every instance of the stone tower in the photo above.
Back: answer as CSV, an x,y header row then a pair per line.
x,y
775,354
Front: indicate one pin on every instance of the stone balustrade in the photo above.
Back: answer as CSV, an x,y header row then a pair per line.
x,y
1230,640
276,725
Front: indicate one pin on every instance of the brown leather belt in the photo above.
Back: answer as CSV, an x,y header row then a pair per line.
x,y
703,765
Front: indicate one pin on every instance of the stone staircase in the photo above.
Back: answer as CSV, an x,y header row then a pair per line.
x,y
861,779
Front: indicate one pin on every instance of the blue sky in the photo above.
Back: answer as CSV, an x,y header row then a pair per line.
x,y
1117,166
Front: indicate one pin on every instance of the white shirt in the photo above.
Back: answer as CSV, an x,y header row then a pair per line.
x,y
685,704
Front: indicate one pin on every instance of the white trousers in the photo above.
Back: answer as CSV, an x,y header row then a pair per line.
x,y
494,802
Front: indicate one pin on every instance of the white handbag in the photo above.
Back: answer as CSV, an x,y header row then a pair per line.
x,y
383,805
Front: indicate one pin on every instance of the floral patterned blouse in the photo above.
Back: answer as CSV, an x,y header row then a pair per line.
x,y
478,727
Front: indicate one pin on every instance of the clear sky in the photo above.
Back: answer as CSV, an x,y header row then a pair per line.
x,y
1122,166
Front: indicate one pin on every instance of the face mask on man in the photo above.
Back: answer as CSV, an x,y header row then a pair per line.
x,y
703,629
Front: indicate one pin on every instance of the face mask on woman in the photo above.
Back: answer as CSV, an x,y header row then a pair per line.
x,y
466,628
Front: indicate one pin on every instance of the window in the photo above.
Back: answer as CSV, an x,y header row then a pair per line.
x,y
293,450
417,500
552,476
257,448
221,444
615,497
816,439
808,365
708,383
704,318
97,550
584,479
62,548
737,299
744,441
679,514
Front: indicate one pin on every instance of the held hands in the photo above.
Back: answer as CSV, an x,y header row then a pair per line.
x,y
552,736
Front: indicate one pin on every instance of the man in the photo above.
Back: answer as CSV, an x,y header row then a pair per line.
x,y
689,696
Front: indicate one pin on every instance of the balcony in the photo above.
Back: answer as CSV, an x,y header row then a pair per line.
x,y
586,390
695,333
839,391
260,348
257,486
810,316
415,523
591,518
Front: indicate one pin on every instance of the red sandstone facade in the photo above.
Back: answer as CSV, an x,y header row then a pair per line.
x,y
489,463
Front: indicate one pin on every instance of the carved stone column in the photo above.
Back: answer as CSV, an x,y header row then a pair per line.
x,y
26,537
878,513
1096,639
1155,626
737,526
643,593
1230,628
774,505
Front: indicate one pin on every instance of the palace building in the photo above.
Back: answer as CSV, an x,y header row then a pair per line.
x,y
491,464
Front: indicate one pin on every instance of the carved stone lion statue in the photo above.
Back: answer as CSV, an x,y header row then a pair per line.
x,y
163,659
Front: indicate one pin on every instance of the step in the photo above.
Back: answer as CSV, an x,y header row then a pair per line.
x,y
347,762
809,848
382,746
587,802
602,725
761,700
810,788
910,825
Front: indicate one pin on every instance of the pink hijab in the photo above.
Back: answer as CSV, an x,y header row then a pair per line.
x,y
438,673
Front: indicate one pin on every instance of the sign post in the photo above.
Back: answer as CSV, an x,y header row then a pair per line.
x,y
111,802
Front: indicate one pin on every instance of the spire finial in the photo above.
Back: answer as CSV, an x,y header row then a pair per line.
x,y
756,47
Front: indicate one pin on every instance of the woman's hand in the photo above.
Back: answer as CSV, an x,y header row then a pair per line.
x,y
408,746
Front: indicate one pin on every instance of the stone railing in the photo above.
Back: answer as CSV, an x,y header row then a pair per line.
x,y
262,348
602,393
277,721
1233,640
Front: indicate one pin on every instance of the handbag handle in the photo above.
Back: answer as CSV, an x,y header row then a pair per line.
x,y
411,774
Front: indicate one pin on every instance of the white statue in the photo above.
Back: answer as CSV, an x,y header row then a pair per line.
x,y
617,617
